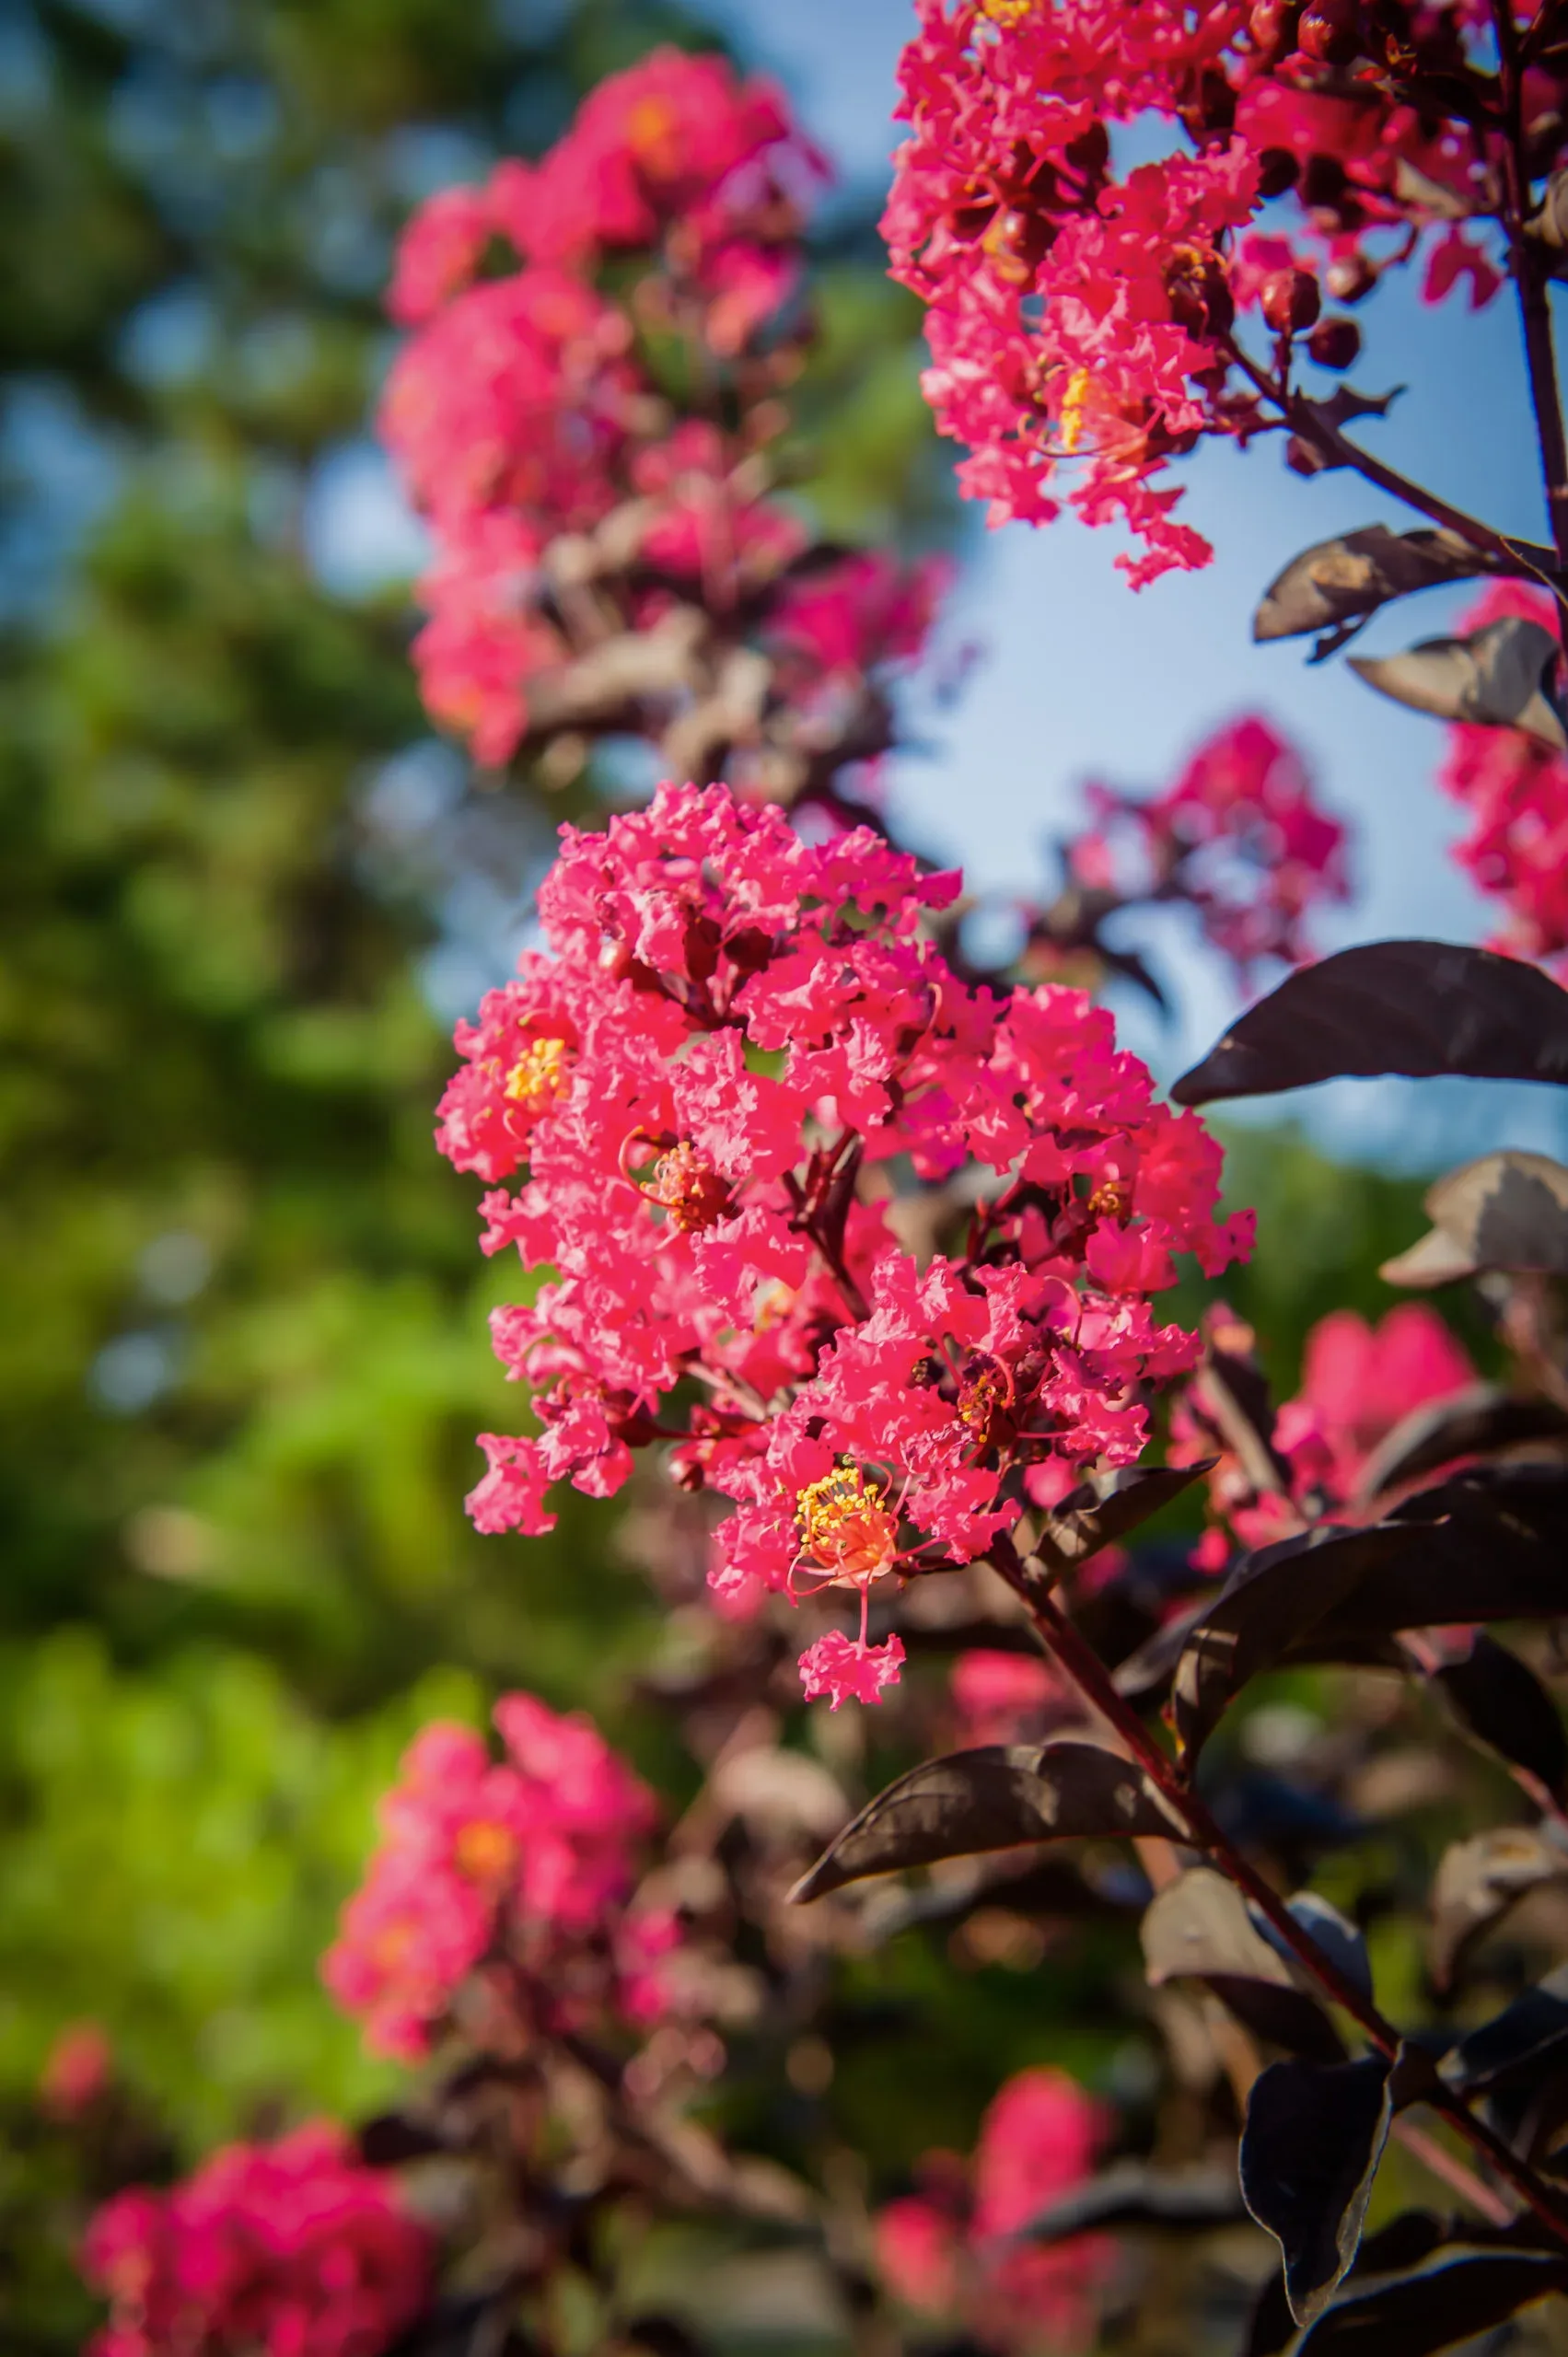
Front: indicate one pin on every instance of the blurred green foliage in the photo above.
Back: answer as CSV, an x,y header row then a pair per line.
x,y
242,1353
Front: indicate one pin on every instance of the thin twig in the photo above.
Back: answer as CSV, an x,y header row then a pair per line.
x,y
1531,283
1305,419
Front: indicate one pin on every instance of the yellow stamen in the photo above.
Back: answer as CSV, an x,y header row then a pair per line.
x,y
846,1525
1007,12
541,1074
1069,425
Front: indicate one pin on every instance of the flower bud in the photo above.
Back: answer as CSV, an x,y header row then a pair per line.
x,y
1278,170
1199,293
1272,27
1349,279
1329,30
1334,344
1324,181
1290,300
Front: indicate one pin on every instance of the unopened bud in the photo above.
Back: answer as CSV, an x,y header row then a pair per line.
x,y
1329,30
1278,170
1351,278
1199,293
1334,344
1290,300
1272,26
1323,180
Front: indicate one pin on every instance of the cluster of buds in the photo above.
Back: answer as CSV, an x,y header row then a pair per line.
x,y
708,1090
1082,325
589,413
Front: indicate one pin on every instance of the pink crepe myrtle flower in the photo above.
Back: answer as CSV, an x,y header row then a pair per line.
x,y
525,1865
77,2069
1000,1697
1358,1381
292,2249
1515,791
726,1022
1080,323
1240,836
954,2248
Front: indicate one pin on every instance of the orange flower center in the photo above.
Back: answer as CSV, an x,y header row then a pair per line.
x,y
540,1075
392,1942
846,1525
485,1851
689,1189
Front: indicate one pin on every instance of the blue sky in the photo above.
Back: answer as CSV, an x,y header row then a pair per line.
x,y
1079,675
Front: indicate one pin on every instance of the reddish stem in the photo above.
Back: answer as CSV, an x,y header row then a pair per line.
x,y
1524,262
1519,557
1031,1581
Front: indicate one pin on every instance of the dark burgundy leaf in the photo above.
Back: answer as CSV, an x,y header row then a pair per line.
x,y
1503,1211
1288,2018
1147,1670
1271,1602
1343,579
1200,1925
1504,1706
1099,1512
1472,1422
1233,1391
1415,1007
1493,1548
1200,1928
1338,1937
1499,676
1476,1884
1526,2041
1459,2291
390,2139
1131,2193
1405,2242
1314,2135
993,1798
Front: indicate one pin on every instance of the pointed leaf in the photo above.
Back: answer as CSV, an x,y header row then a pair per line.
x,y
1200,1928
1101,1511
1310,2148
1342,579
1504,1705
1415,1007
1493,1540
1199,1924
1502,1210
1500,676
1460,2291
1527,2040
1268,1604
1338,1937
993,1798
1476,1884
1131,2193
1471,1422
